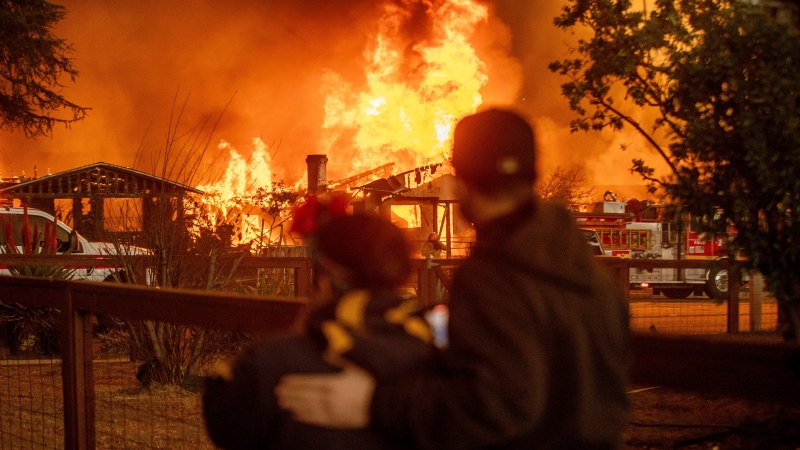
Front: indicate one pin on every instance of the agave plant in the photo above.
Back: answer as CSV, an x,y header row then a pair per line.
x,y
34,244
26,327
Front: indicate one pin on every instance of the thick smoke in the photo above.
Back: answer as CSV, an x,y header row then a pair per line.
x,y
262,62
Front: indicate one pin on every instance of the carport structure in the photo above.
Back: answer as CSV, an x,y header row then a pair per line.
x,y
103,198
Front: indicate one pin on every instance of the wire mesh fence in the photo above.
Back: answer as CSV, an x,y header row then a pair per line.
x,y
129,399
139,408
31,403
698,314
129,368
155,417
31,394
129,413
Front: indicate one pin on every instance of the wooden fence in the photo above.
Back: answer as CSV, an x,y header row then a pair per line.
x,y
753,369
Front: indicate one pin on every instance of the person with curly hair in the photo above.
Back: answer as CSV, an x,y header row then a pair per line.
x,y
357,313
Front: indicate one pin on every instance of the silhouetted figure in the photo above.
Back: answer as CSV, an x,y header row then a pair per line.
x,y
537,350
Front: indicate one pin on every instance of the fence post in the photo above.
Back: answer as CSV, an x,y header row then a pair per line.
x,y
426,285
734,286
302,279
77,375
756,299
619,269
624,280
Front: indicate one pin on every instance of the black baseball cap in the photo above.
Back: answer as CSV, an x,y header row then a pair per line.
x,y
494,148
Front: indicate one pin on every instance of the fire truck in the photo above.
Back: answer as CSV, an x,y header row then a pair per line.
x,y
646,230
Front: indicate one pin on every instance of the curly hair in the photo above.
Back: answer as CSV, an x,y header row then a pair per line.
x,y
372,249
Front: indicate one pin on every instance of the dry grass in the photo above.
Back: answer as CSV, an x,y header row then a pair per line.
x,y
31,405
128,416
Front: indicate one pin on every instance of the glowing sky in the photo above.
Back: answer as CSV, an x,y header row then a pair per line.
x,y
264,61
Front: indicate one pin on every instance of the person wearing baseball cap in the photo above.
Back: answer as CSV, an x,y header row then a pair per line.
x,y
538,350
494,150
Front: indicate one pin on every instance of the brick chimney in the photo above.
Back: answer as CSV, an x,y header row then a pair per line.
x,y
317,173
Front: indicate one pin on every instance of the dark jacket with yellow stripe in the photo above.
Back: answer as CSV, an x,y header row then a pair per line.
x,y
379,331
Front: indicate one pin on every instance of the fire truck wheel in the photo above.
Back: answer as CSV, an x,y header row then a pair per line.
x,y
717,283
677,293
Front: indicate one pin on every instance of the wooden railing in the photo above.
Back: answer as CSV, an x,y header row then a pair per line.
x,y
428,271
78,300
753,369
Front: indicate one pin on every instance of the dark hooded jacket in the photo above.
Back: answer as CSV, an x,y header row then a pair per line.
x,y
379,331
538,347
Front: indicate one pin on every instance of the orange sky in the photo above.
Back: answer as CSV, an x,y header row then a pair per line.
x,y
265,59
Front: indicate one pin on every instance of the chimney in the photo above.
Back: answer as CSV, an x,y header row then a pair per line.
x,y
317,173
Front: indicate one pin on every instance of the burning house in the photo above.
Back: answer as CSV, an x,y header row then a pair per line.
x,y
415,200
392,106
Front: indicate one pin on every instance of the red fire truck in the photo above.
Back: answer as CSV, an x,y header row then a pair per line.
x,y
644,229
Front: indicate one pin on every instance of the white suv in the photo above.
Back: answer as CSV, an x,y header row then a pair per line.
x,y
66,239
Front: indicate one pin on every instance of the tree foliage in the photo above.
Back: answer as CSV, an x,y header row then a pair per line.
x,y
721,81
33,62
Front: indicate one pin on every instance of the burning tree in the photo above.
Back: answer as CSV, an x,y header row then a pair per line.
x,y
275,202
246,186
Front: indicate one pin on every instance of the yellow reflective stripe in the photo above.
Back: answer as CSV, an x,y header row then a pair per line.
x,y
339,340
350,310
418,328
402,311
413,325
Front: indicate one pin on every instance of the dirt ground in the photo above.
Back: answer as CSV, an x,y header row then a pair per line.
x,y
670,419
129,416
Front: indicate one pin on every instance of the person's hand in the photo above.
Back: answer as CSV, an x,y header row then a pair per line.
x,y
340,400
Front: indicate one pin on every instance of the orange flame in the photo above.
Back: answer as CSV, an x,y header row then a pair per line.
x,y
416,88
422,76
225,201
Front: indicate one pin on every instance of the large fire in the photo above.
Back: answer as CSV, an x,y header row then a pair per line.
x,y
231,200
421,76
417,87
